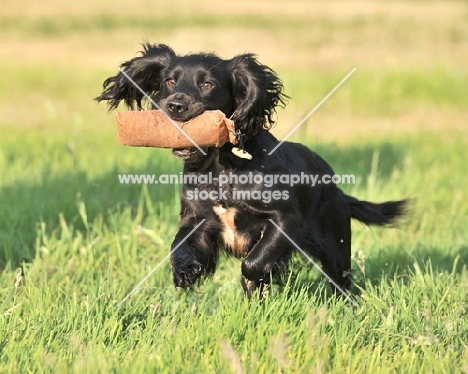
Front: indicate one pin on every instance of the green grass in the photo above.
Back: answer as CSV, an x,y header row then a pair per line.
x,y
83,241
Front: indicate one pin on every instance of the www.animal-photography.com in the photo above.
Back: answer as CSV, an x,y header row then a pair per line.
x,y
234,187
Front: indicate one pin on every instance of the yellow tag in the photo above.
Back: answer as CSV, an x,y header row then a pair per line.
x,y
241,154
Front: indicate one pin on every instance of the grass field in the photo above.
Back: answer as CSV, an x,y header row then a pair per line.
x,y
74,242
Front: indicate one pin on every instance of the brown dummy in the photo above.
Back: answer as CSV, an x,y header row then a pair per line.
x,y
151,128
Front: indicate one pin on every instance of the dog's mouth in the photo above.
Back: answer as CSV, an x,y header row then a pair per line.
x,y
183,153
187,152
183,115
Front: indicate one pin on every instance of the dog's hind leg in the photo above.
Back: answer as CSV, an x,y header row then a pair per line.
x,y
335,244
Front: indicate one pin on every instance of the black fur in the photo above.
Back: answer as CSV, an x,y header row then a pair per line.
x,y
317,218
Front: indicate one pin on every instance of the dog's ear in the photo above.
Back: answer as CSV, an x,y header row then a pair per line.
x,y
144,70
257,92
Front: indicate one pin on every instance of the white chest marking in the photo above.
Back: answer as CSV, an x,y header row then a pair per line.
x,y
233,240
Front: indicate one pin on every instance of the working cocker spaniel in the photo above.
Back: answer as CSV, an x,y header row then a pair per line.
x,y
261,223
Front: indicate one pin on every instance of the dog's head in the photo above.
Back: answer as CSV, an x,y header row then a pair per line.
x,y
185,86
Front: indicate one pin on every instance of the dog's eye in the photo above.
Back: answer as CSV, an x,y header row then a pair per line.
x,y
207,85
170,82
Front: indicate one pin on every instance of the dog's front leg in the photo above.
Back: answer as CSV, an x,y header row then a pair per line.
x,y
194,252
250,286
269,257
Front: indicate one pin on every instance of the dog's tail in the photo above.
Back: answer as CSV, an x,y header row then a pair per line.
x,y
376,214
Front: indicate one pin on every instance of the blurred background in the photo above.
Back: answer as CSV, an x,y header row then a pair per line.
x,y
410,56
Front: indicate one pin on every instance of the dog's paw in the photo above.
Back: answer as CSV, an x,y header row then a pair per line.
x,y
185,270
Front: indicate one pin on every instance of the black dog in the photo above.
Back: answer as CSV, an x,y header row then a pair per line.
x,y
261,223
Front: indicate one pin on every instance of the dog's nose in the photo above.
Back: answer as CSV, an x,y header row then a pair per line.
x,y
177,106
